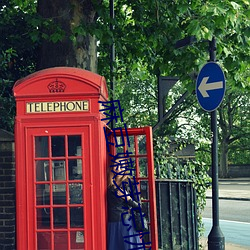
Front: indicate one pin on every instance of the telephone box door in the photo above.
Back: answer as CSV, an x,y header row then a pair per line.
x,y
138,143
58,188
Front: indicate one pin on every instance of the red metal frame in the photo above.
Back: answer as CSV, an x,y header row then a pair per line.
x,y
147,132
80,85
32,184
95,212
77,85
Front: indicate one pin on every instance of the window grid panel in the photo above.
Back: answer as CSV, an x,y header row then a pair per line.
x,y
138,158
52,205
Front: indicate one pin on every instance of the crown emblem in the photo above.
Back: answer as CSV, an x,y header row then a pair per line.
x,y
56,86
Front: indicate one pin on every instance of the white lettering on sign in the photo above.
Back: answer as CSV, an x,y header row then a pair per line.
x,y
49,107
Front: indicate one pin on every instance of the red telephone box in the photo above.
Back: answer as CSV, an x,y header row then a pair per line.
x,y
61,162
141,149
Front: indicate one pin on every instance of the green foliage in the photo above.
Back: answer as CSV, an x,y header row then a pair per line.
x,y
6,99
15,32
147,31
17,54
137,92
234,117
145,35
193,170
7,107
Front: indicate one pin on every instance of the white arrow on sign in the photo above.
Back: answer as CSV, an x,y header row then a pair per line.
x,y
204,86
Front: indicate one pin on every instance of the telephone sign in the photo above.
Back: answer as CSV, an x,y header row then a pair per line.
x,y
210,86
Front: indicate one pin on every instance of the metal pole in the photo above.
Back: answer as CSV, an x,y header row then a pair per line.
x,y
160,108
112,57
216,240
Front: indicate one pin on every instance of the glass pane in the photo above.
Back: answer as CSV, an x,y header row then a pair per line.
x,y
127,166
42,170
58,170
77,240
119,142
142,144
75,193
131,166
43,241
41,146
121,149
75,169
147,239
46,195
143,164
61,240
146,210
60,217
74,145
41,193
131,149
76,216
43,218
59,194
58,146
144,190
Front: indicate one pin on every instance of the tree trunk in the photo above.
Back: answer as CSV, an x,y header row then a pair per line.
x,y
75,49
223,166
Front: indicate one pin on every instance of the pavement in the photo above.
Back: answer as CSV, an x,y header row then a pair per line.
x,y
228,246
230,194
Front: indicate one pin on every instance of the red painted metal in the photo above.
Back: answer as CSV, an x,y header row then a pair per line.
x,y
135,133
38,117
48,86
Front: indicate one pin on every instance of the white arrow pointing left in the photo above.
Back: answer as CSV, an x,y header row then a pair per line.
x,y
204,86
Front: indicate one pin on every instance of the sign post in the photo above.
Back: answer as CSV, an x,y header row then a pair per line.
x,y
210,90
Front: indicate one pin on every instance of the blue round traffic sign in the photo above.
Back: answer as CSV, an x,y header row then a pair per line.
x,y
210,86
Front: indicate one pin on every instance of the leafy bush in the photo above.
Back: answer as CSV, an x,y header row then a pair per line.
x,y
193,170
